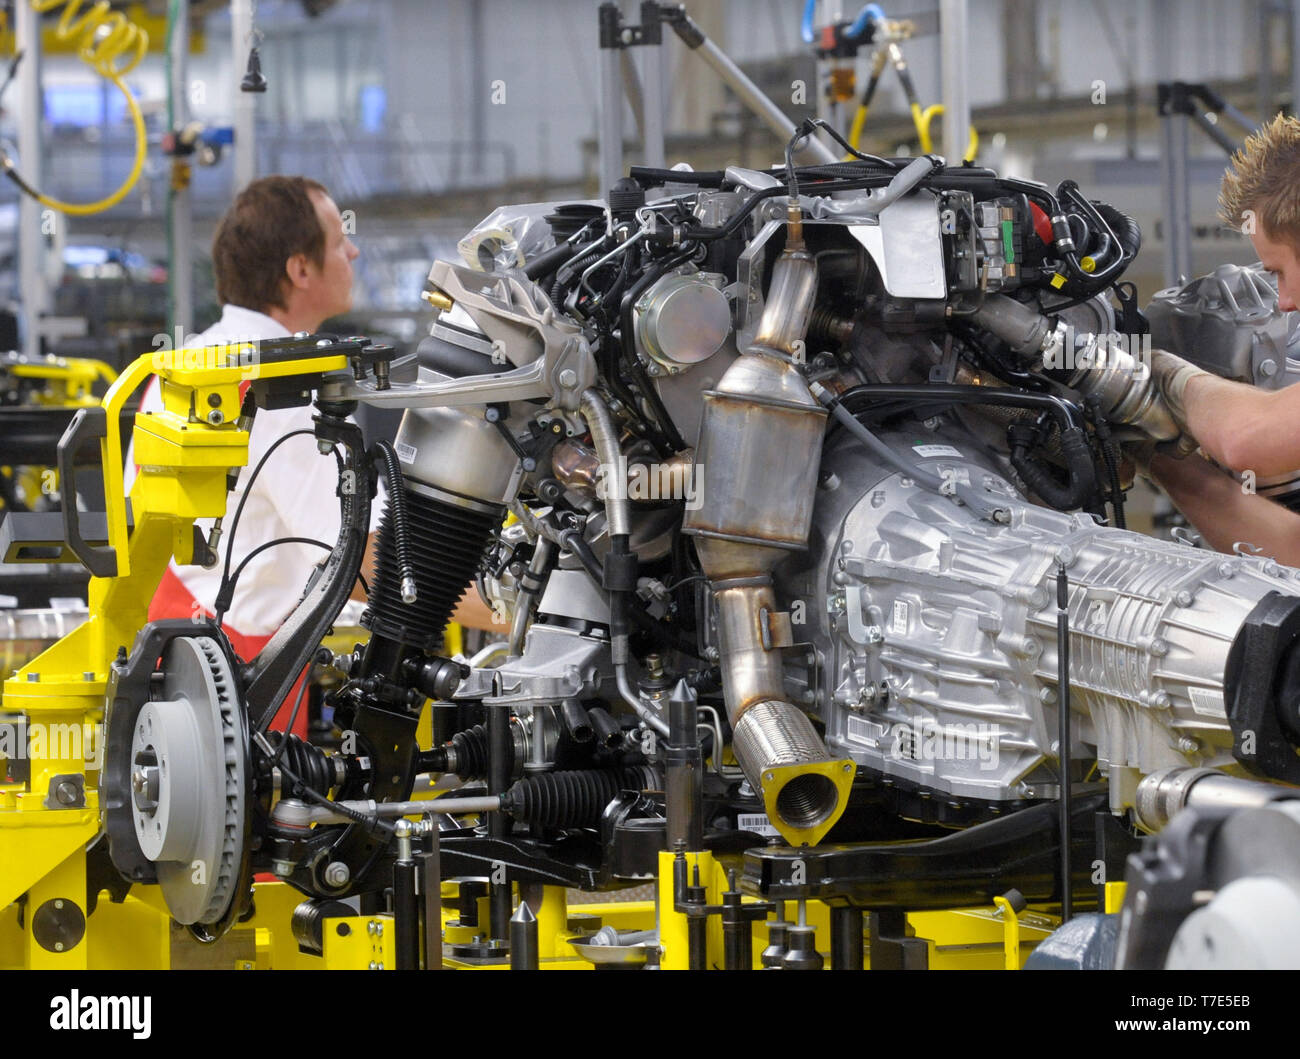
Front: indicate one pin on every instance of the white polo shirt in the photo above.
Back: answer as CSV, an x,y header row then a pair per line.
x,y
294,496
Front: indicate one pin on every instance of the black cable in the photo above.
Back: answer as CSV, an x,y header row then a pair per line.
x,y
234,578
293,717
239,510
818,123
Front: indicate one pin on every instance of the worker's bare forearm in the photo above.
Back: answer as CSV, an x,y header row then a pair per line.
x,y
1239,426
1216,504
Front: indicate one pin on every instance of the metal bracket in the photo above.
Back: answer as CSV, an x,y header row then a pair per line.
x,y
66,791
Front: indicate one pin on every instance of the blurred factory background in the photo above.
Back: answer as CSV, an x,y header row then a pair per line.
x,y
421,116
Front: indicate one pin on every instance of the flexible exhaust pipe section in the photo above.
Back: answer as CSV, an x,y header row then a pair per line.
x,y
760,449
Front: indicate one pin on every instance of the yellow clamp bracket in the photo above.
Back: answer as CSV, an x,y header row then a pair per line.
x,y
1010,933
187,375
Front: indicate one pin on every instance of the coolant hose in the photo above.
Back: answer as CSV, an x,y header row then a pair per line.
x,y
1082,481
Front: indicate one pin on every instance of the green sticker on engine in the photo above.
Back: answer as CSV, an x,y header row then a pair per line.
x,y
1008,246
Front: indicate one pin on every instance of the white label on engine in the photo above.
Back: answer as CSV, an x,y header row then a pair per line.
x,y
405,453
1207,703
758,823
926,451
898,623
861,730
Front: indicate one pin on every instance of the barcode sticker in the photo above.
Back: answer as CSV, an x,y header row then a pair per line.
x,y
405,453
926,451
898,623
1206,702
758,823
861,730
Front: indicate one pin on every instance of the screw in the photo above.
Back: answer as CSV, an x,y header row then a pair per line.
x,y
33,678
216,417
88,675
337,874
66,793
58,903
568,378
214,400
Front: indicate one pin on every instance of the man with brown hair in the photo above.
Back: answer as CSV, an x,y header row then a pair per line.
x,y
283,265
1239,426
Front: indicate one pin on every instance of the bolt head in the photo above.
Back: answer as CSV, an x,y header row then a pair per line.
x,y
337,874
568,378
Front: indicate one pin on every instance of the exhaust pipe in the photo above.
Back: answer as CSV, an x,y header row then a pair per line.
x,y
760,447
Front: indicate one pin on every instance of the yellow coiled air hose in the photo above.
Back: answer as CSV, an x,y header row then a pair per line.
x,y
111,45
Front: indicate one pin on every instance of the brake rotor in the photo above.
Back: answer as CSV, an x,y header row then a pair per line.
x,y
188,781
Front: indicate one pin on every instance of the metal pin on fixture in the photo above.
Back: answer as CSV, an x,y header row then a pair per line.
x,y
523,939
802,954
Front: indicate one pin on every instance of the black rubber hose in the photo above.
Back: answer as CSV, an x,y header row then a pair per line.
x,y
1126,229
565,274
1066,414
547,262
1081,471
650,177
606,730
576,721
383,454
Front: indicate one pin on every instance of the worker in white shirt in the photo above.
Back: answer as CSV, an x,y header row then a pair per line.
x,y
283,265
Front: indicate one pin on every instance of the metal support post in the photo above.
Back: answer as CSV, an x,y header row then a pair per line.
x,y
180,207
954,60
611,98
31,238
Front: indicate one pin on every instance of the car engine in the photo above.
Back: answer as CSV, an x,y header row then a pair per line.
x,y
799,496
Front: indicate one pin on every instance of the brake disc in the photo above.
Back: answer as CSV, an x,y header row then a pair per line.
x,y
188,781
